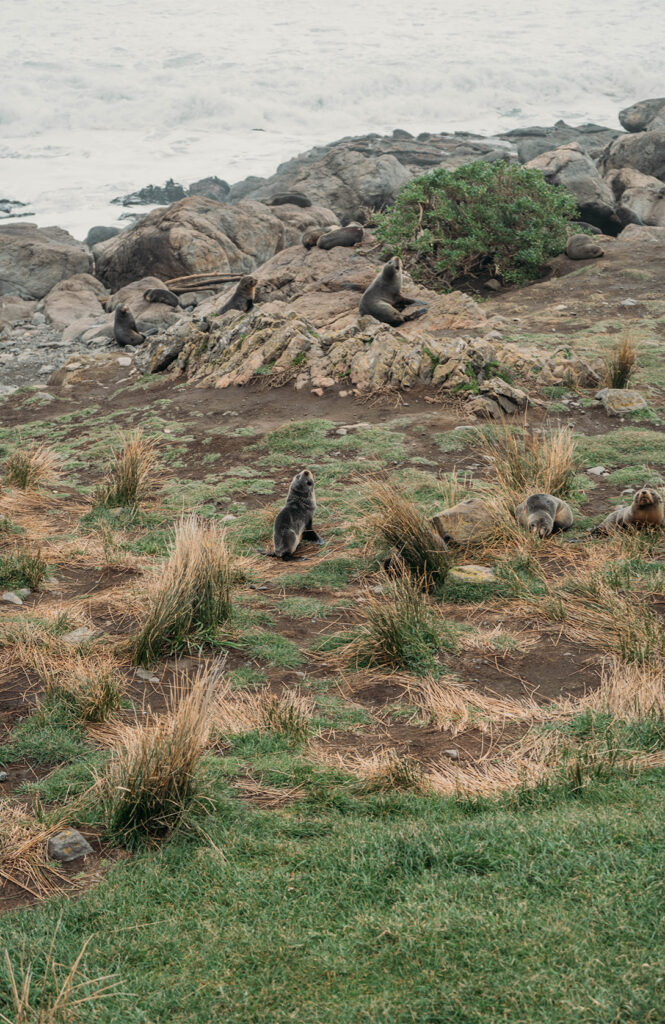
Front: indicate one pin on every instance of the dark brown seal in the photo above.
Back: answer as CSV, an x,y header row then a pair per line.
x,y
294,522
243,297
125,330
290,198
384,300
544,514
162,295
646,510
581,247
348,236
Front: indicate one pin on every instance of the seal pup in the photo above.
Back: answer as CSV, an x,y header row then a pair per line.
x,y
544,514
294,522
384,300
581,247
125,330
311,236
162,295
348,236
243,297
646,510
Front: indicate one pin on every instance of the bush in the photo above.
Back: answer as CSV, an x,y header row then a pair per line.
x,y
482,219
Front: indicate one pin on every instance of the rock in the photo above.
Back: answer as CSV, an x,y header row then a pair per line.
x,y
619,401
640,198
570,167
100,234
146,676
89,329
9,597
628,303
33,260
643,116
124,361
597,471
14,309
148,315
38,319
4,776
531,142
509,398
465,522
198,235
452,753
472,574
164,194
76,298
68,845
78,636
351,427
644,152
210,188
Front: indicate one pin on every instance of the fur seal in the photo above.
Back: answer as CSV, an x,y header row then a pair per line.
x,y
581,247
125,330
162,295
544,514
384,300
243,297
311,236
294,522
290,198
646,510
348,236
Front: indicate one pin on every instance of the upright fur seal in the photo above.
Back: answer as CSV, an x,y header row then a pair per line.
x,y
384,300
581,247
162,295
544,514
125,330
349,235
243,297
646,510
294,522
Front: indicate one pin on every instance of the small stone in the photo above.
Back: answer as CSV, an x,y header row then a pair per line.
x,y
78,636
38,319
452,754
349,427
147,677
7,389
619,401
472,574
228,518
493,284
318,392
123,361
4,776
596,471
344,394
24,592
9,597
628,302
68,845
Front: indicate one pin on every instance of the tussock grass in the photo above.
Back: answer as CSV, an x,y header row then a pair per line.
x,y
131,471
448,704
400,524
525,462
22,569
92,685
288,713
383,771
58,997
151,779
30,467
621,361
398,629
192,593
23,858
630,692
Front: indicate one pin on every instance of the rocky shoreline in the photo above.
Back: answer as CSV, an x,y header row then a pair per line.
x,y
58,295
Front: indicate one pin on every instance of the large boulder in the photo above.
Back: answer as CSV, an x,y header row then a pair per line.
x,y
644,151
148,315
14,309
640,198
33,260
570,167
531,142
644,116
73,299
198,235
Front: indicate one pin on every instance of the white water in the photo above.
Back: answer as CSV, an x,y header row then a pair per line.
x,y
101,98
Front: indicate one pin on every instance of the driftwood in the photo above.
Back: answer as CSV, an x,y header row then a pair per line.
x,y
199,282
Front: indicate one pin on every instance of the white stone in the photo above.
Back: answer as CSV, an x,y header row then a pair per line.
x,y
124,361
596,471
9,597
628,302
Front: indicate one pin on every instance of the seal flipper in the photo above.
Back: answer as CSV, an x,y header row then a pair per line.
x,y
312,536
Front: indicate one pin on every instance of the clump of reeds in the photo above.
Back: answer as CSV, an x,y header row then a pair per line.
x,y
447,704
398,628
22,569
151,779
192,594
630,692
387,770
525,462
92,685
621,361
131,471
286,713
403,527
29,467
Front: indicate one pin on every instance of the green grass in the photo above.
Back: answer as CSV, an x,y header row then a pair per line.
x,y
21,569
623,445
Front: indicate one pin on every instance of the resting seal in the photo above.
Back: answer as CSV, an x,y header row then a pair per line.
x,y
646,510
311,236
162,295
125,330
290,198
243,297
581,247
350,235
384,300
544,514
294,522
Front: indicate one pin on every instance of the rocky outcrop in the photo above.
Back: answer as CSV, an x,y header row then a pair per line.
x,y
644,116
550,368
100,234
33,260
75,298
211,188
199,235
640,199
644,151
570,167
531,142
171,192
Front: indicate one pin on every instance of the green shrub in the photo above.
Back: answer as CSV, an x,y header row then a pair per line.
x,y
494,219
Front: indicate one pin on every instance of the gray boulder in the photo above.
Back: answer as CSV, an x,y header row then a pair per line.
x,y
210,188
33,260
644,151
146,314
640,198
73,299
531,142
570,167
619,401
68,845
100,234
644,116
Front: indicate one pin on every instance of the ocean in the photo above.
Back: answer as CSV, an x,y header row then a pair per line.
x,y
101,99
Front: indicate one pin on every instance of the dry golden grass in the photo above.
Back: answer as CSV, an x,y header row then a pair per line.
x,y
191,594
92,684
400,524
448,704
525,462
30,467
131,471
621,361
629,692
238,711
23,859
